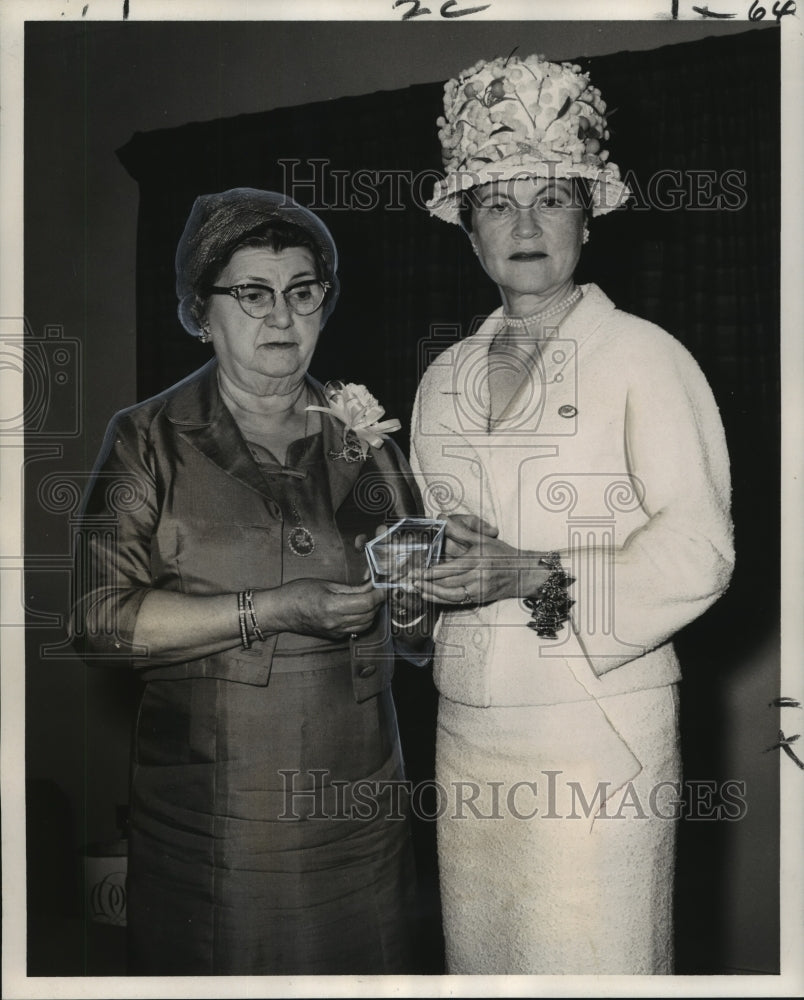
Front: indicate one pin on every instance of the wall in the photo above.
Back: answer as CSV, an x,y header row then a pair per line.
x,y
89,87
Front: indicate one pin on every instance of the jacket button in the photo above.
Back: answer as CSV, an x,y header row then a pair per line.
x,y
367,671
274,509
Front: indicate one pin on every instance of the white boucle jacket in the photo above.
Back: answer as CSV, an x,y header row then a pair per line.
x,y
613,454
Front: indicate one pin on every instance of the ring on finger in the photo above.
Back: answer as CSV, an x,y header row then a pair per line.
x,y
467,597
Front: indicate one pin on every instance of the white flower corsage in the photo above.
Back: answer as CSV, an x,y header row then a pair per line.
x,y
361,415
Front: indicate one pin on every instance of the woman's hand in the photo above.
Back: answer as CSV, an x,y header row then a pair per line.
x,y
456,543
173,627
479,567
325,609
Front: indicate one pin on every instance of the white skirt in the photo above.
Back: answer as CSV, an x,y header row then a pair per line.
x,y
556,835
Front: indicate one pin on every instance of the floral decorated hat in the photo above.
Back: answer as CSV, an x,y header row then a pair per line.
x,y
523,117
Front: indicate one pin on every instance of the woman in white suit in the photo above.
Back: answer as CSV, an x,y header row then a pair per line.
x,y
579,457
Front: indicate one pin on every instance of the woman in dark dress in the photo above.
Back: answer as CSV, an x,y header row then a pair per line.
x,y
221,556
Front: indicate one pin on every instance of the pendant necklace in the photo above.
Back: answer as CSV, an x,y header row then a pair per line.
x,y
300,539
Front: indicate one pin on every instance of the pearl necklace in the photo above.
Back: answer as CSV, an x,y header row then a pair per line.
x,y
525,321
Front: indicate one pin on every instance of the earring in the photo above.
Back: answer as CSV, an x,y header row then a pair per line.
x,y
205,336
474,248
585,234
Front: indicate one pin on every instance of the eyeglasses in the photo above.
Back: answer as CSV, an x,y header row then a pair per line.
x,y
258,301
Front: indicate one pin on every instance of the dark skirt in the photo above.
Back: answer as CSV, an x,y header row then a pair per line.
x,y
269,830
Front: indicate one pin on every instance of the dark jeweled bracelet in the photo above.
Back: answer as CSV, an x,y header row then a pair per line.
x,y
550,605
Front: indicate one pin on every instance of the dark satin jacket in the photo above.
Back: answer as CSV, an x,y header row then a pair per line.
x,y
177,503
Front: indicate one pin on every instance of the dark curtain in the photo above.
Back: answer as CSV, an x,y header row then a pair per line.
x,y
696,127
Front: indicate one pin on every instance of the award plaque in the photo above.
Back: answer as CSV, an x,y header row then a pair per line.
x,y
409,546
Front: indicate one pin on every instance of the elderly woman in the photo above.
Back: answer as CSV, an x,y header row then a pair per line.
x,y
221,556
580,457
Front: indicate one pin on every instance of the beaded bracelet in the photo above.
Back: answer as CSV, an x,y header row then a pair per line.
x,y
550,606
409,624
245,642
255,628
399,610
